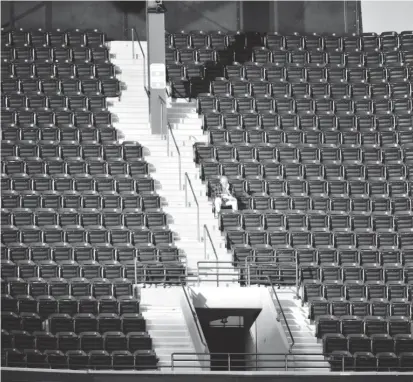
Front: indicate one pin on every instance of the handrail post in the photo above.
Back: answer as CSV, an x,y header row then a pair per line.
x,y
145,77
282,313
133,43
286,362
195,317
172,361
188,181
198,223
205,248
186,191
167,145
169,131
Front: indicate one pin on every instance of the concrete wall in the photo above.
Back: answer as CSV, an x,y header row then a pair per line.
x,y
266,335
117,17
8,375
390,15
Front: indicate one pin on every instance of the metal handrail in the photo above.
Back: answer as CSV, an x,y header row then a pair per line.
x,y
282,313
177,150
188,181
145,80
195,317
207,234
163,107
269,361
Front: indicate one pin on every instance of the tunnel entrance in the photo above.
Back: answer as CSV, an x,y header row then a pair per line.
x,y
226,332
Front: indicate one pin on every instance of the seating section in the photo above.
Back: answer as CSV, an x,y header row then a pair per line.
x,y
315,133
81,221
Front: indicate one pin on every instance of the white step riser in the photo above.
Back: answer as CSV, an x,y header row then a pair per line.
x,y
134,122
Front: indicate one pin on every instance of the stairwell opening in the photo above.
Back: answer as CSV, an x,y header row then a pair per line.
x,y
227,333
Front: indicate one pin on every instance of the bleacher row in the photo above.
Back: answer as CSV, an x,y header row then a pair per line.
x,y
314,134
81,221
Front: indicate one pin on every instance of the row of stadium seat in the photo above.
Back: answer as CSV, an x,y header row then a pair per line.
x,y
367,272
56,149
57,37
350,257
57,54
359,307
362,325
318,90
66,304
255,72
24,70
240,40
246,105
111,217
82,322
354,289
82,252
87,289
376,343
108,87
266,56
311,137
80,360
74,199
32,101
77,182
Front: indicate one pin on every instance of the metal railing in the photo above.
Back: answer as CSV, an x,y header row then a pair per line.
x,y
170,132
163,115
276,264
218,272
145,78
256,361
207,234
197,323
281,310
188,182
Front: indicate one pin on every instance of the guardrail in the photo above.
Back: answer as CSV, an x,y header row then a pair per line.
x,y
195,317
255,361
281,310
188,182
218,271
170,132
278,264
282,362
145,78
207,234
163,114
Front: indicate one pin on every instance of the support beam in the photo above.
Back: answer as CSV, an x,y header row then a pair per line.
x,y
155,24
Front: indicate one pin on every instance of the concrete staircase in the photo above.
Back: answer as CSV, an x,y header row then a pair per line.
x,y
167,327
133,122
307,350
187,129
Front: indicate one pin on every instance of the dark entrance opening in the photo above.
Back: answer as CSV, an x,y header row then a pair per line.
x,y
226,332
